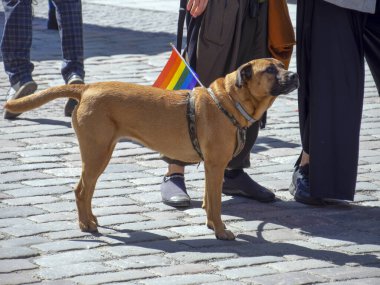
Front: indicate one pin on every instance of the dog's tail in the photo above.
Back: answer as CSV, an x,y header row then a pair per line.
x,y
36,100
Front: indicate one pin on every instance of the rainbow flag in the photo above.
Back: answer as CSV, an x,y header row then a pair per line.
x,y
176,74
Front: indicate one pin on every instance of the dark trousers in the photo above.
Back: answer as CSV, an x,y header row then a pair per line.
x,y
17,38
226,36
330,64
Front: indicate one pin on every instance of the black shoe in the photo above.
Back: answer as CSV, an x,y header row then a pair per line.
x,y
71,103
173,191
241,184
300,188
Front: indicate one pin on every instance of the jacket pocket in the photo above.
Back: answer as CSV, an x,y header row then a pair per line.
x,y
220,20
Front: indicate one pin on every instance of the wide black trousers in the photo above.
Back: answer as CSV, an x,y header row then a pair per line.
x,y
330,61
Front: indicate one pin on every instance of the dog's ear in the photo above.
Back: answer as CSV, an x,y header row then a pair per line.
x,y
243,74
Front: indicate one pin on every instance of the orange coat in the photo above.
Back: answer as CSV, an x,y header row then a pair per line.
x,y
281,38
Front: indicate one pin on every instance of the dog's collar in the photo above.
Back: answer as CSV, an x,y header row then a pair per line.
x,y
238,106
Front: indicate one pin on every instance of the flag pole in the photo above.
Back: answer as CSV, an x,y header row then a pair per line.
x,y
196,77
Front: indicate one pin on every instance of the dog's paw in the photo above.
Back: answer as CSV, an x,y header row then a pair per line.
x,y
90,227
225,235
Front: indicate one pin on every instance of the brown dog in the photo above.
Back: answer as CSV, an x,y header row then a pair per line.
x,y
109,111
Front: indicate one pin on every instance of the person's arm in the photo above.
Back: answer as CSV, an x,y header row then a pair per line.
x,y
196,7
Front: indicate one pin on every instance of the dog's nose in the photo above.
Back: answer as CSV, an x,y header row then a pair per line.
x,y
292,76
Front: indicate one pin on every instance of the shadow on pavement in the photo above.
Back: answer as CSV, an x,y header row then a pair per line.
x,y
353,227
98,41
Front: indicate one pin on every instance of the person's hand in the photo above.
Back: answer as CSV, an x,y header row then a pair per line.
x,y
196,7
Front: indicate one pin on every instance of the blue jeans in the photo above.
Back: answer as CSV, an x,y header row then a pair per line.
x,y
17,38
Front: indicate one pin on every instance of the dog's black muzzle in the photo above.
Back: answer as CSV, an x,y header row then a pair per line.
x,y
286,83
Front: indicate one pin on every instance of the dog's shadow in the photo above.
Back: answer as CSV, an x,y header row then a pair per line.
x,y
348,226
52,122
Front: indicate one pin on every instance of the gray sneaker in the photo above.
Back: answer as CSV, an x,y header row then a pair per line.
x,y
71,103
18,91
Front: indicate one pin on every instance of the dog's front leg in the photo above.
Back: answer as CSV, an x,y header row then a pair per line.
x,y
212,201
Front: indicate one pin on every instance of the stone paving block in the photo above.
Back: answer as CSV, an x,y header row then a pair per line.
x,y
20,211
146,248
131,237
71,234
71,270
246,261
192,256
362,281
6,222
58,282
34,229
342,273
52,217
103,278
183,269
24,191
183,279
29,200
361,248
289,278
192,230
139,262
59,207
12,265
247,272
23,241
17,252
299,265
119,210
150,225
111,201
66,245
49,181
29,167
71,257
27,177
19,278
121,219
227,282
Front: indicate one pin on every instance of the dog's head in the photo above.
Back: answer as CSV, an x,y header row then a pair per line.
x,y
266,77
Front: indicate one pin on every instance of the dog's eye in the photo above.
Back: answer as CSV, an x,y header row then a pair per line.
x,y
271,69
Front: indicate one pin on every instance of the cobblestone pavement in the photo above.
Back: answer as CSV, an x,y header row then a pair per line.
x,y
142,241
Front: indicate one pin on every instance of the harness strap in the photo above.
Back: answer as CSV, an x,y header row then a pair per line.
x,y
241,133
190,114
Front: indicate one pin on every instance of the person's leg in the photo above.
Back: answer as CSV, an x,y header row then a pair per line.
x,y
253,45
372,44
69,16
17,40
173,188
15,47
331,71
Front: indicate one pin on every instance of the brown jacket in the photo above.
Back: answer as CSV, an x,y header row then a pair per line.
x,y
281,38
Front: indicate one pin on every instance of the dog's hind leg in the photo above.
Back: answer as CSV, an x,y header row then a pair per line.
x,y
213,201
95,158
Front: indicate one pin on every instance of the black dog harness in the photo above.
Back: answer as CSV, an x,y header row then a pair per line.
x,y
190,114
